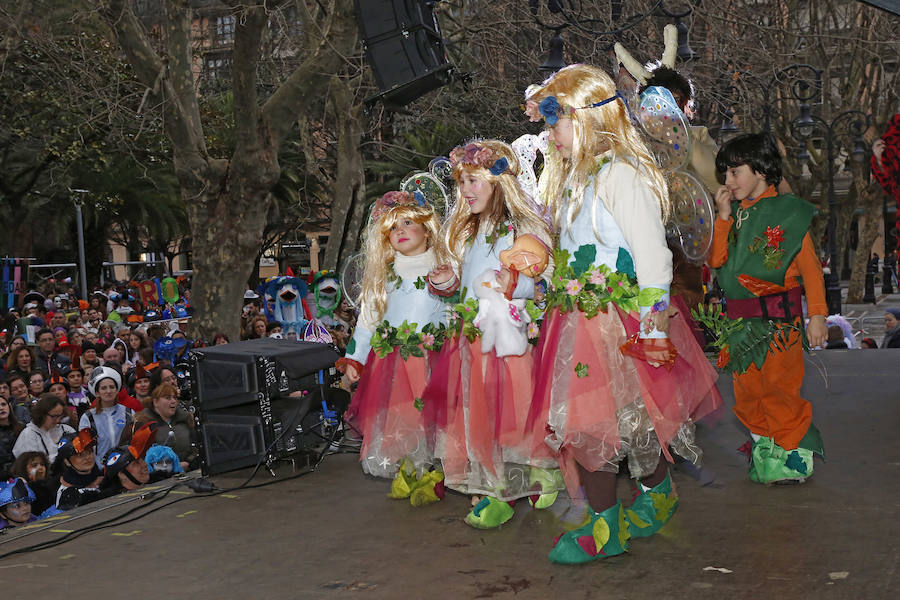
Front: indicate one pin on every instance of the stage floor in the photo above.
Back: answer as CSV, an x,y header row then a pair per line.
x,y
333,533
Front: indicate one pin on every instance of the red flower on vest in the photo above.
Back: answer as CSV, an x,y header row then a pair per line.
x,y
774,236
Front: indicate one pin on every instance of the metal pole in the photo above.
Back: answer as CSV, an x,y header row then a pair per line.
x,y
833,290
81,262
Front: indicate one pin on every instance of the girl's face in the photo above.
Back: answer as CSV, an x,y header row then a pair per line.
x,y
4,411
75,338
18,513
476,192
23,360
890,321
142,387
36,469
36,384
16,343
59,336
562,136
135,341
259,328
743,182
83,462
107,392
408,237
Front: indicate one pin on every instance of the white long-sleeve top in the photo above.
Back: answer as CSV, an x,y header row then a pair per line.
x,y
405,302
620,211
38,439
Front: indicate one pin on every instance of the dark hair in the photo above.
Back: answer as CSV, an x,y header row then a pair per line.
x,y
42,331
13,376
46,402
756,150
13,421
870,341
270,326
220,336
20,467
34,372
673,81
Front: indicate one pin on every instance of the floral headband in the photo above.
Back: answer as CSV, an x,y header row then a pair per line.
x,y
394,199
550,110
478,156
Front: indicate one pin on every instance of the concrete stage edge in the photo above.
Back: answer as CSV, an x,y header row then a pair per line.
x,y
333,533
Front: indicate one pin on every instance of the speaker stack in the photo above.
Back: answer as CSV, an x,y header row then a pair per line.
x,y
404,47
261,400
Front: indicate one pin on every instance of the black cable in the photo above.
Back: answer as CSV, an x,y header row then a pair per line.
x,y
116,521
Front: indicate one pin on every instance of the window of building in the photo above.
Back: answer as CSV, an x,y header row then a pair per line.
x,y
224,30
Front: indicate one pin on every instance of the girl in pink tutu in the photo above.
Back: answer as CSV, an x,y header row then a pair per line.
x,y
400,324
484,379
619,375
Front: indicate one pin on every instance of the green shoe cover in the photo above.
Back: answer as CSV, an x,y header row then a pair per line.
x,y
605,534
428,490
770,463
490,513
652,509
404,481
542,501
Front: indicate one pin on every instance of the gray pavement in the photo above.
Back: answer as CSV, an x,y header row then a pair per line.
x,y
334,534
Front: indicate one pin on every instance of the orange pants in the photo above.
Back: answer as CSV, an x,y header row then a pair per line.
x,y
768,400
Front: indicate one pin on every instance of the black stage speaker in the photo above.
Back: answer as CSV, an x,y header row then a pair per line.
x,y
404,48
246,415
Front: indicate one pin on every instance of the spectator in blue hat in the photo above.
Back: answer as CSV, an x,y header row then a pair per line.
x,y
15,503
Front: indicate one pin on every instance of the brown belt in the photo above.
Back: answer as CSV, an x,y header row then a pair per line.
x,y
783,306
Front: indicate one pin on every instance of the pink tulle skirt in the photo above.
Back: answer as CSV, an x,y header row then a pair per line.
x,y
384,410
597,406
476,408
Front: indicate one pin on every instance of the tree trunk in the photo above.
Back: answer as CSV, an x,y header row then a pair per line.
x,y
870,200
350,182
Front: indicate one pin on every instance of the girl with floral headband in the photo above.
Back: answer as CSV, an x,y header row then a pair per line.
x,y
480,409
617,376
400,324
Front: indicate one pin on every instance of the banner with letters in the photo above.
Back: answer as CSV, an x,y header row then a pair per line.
x,y
14,274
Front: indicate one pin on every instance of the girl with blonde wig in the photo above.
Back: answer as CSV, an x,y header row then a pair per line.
x,y
400,325
480,399
617,377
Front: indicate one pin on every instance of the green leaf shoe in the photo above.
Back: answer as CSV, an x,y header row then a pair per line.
x,y
547,482
489,513
428,490
606,534
772,464
404,481
652,509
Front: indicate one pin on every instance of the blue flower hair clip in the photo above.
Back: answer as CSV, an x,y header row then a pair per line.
x,y
550,109
420,198
500,165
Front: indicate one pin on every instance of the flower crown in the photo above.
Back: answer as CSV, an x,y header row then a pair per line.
x,y
478,156
394,199
550,110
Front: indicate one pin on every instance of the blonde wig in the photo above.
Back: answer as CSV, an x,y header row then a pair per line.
x,y
596,131
380,254
508,202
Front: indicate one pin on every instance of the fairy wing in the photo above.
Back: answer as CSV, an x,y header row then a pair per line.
x,y
692,215
427,188
666,128
351,278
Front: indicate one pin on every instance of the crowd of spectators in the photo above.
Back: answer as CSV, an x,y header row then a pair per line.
x,y
84,404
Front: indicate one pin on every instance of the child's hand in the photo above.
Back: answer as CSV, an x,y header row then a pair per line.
x,y
723,202
351,373
440,274
816,331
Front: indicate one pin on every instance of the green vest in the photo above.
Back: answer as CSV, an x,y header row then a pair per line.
x,y
763,241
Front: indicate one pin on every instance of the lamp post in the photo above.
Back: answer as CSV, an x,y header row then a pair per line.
x,y
79,221
850,123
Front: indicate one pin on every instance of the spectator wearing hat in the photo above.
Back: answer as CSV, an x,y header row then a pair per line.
x,y
19,397
79,475
139,382
78,398
175,426
48,359
124,468
89,354
891,328
107,417
10,428
44,431
15,503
